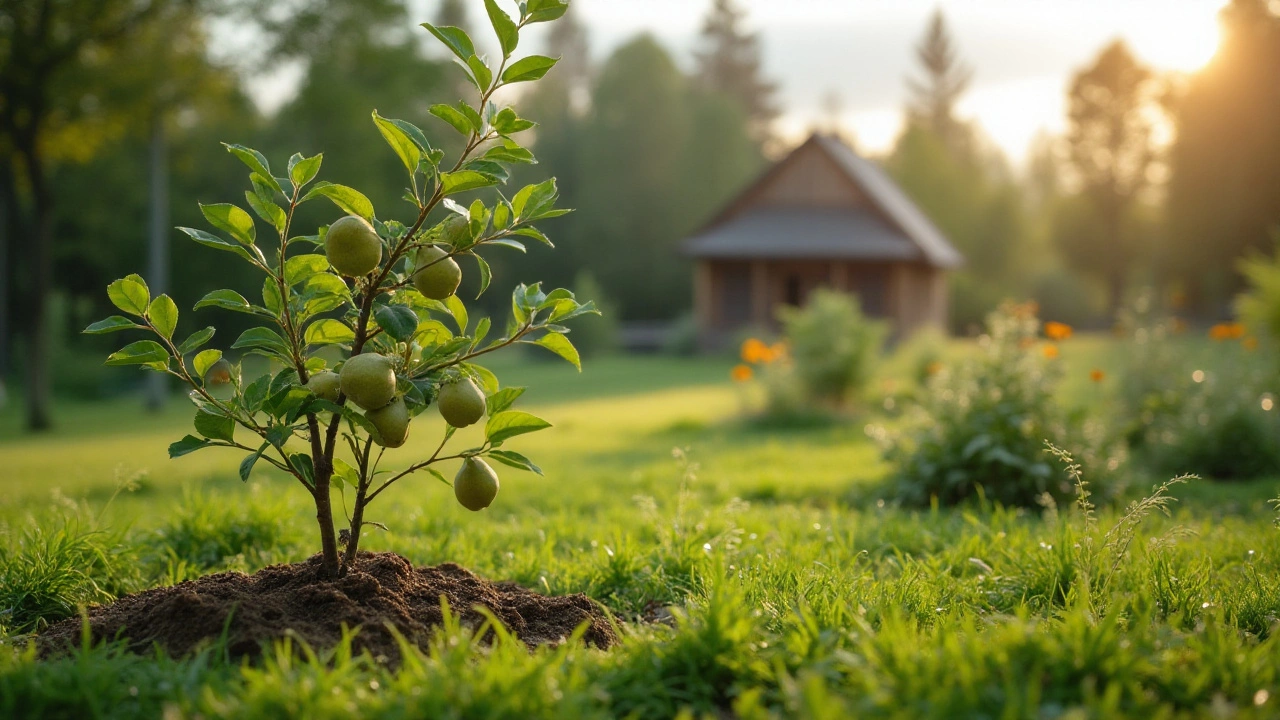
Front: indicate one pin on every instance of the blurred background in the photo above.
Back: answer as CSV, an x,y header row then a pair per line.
x,y
1074,153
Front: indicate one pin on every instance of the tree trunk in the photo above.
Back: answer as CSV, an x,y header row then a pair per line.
x,y
158,244
6,218
332,565
38,390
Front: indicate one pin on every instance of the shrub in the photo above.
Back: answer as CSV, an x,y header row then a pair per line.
x,y
983,423
594,335
1184,408
832,346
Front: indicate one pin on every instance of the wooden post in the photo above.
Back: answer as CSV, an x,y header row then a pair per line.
x,y
761,294
704,314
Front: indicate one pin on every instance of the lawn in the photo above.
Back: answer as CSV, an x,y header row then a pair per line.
x,y
793,589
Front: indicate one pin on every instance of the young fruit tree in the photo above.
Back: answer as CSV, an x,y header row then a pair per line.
x,y
356,335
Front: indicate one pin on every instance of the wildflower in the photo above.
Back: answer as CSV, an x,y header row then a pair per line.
x,y
1050,351
754,351
741,373
1097,375
1057,331
933,368
1226,331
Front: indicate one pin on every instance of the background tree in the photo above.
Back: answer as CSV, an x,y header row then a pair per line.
x,y
946,78
42,101
1224,192
729,62
1109,148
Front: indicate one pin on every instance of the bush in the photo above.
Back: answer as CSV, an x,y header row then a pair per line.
x,y
594,335
984,423
1187,409
833,348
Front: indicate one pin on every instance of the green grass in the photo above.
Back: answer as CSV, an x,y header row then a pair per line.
x,y
796,592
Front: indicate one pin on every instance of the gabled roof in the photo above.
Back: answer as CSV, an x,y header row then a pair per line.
x,y
893,229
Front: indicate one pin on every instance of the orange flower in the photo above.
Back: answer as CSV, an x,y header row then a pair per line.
x,y
1250,343
1226,331
933,368
741,373
1050,351
1097,375
778,351
754,351
1057,331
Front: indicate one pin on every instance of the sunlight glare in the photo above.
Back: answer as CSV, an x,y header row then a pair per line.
x,y
1183,43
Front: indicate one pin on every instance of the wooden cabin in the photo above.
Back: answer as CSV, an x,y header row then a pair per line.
x,y
820,217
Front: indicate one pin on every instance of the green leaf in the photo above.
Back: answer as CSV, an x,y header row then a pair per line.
x,y
454,38
215,427
502,400
481,72
515,460
271,296
256,162
305,169
506,122
328,331
226,299
398,321
560,345
508,33
349,199
112,324
205,360
528,69
486,274
454,117
510,423
458,311
510,152
130,294
231,219
186,446
246,465
482,329
268,211
545,10
251,253
142,352
196,340
301,267
163,315
302,463
534,200
463,180
263,338
404,146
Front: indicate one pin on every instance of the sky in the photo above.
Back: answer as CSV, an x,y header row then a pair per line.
x,y
1022,52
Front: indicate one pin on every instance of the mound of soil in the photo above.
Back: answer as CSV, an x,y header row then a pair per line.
x,y
382,589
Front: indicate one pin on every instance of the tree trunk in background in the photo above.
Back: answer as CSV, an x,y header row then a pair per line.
x,y
158,244
6,210
38,386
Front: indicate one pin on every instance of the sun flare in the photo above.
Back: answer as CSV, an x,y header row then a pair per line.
x,y
1183,43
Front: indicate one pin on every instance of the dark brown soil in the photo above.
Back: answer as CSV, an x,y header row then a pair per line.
x,y
382,590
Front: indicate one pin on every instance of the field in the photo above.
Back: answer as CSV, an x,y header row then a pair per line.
x,y
781,581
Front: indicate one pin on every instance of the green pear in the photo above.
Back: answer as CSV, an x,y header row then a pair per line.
x,y
368,380
217,379
352,246
461,403
326,385
476,484
392,423
438,275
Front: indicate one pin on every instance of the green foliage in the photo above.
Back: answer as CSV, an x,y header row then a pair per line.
x,y
216,532
1258,307
311,306
833,349
981,426
595,335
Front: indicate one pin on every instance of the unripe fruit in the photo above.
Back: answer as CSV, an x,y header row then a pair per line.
x,y
352,246
368,380
461,403
217,379
392,423
455,231
475,485
439,275
326,385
